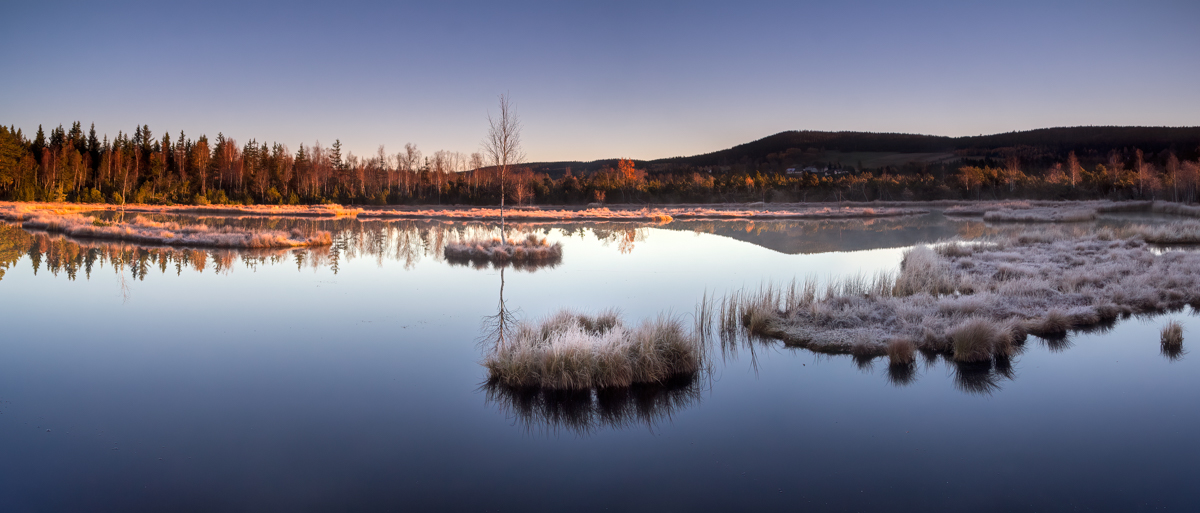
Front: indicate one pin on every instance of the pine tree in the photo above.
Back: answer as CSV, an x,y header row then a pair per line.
x,y
93,147
336,158
39,143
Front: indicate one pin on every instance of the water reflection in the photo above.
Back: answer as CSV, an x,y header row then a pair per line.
x,y
406,241
982,378
900,375
1172,353
1056,343
585,412
61,255
809,236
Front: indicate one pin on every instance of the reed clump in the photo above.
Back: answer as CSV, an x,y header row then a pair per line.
x,y
979,339
901,352
531,249
1172,336
574,351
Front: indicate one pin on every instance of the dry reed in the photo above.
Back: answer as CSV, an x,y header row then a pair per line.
x,y
901,352
1172,336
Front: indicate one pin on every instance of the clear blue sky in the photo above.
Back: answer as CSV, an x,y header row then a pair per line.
x,y
596,79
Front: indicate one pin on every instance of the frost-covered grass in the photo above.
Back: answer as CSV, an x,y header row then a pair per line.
x,y
656,215
252,210
20,208
572,351
532,250
975,302
1063,211
1183,232
1041,215
978,209
146,231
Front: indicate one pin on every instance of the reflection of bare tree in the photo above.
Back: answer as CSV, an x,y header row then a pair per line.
x,y
625,238
498,328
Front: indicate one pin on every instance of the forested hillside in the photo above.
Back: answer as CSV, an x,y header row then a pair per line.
x,y
1054,163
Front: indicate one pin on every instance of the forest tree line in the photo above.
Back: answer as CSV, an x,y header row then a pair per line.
x,y
139,167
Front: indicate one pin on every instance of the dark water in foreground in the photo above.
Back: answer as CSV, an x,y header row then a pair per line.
x,y
222,381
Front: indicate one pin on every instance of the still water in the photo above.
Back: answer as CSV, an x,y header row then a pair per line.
x,y
155,379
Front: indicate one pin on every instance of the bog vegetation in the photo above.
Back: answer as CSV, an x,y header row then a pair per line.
x,y
978,301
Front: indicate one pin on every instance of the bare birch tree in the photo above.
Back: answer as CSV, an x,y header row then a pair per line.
x,y
503,145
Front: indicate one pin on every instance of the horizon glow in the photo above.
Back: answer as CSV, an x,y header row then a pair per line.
x,y
596,80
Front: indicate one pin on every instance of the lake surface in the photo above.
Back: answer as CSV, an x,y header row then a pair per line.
x,y
348,378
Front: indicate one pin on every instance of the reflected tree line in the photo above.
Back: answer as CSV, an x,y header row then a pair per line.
x,y
406,242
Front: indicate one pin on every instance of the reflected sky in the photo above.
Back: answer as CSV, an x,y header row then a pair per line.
x,y
352,382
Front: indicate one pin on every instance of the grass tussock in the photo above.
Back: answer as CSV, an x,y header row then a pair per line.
x,y
975,302
1172,336
530,250
573,351
980,339
146,231
901,352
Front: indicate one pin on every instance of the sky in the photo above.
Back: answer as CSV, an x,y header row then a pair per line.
x,y
592,80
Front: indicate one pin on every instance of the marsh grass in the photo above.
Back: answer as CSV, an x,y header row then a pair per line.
x,y
1183,232
1171,339
901,352
1041,215
573,351
661,215
974,302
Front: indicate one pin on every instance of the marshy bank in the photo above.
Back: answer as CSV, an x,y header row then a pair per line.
x,y
663,214
977,301
1064,211
147,231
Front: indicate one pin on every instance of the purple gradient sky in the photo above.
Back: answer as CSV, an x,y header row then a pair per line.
x,y
596,80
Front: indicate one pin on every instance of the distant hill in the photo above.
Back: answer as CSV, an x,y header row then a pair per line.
x,y
870,150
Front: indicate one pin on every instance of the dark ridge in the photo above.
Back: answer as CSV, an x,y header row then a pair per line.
x,y
1039,143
